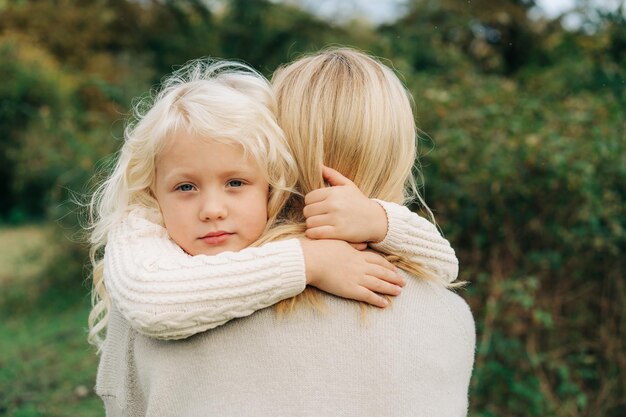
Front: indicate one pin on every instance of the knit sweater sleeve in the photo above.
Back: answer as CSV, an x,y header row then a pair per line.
x,y
165,293
413,236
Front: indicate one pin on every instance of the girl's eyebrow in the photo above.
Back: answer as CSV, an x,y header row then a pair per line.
x,y
177,173
183,172
241,171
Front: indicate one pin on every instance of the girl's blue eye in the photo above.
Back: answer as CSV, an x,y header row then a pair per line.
x,y
185,187
235,183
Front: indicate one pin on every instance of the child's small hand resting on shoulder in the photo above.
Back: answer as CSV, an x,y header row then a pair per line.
x,y
337,268
343,212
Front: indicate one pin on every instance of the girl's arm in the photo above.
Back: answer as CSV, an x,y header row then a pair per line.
x,y
165,293
343,212
411,235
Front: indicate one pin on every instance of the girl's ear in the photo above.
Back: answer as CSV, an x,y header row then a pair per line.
x,y
151,190
269,198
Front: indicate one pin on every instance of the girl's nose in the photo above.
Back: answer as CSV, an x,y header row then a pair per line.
x,y
213,209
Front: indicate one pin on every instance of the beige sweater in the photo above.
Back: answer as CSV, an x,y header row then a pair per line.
x,y
414,358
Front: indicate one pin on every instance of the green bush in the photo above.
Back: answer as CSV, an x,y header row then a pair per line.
x,y
530,186
33,98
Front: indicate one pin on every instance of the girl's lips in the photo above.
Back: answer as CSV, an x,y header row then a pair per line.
x,y
216,238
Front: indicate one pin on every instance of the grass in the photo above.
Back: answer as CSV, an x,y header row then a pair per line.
x,y
23,252
46,366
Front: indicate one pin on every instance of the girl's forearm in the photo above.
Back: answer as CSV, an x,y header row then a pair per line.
x,y
165,293
415,237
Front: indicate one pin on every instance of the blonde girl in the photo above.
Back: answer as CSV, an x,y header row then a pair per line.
x,y
205,169
413,358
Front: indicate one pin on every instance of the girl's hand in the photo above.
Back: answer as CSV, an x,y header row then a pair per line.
x,y
343,212
337,268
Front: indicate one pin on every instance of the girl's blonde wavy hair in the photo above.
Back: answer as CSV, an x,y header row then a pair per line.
x,y
347,110
220,100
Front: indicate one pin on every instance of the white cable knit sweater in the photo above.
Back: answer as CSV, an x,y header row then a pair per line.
x,y
413,358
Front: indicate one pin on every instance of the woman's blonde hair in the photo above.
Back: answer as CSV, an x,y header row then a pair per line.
x,y
220,100
347,110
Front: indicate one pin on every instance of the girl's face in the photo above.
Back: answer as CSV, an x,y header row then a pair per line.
x,y
213,198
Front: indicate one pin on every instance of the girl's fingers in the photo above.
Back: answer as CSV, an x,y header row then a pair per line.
x,y
359,246
320,232
374,283
386,275
334,177
374,257
318,221
314,209
316,196
370,297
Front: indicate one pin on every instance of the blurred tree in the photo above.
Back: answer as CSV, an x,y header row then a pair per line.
x,y
33,92
172,32
79,33
497,36
266,34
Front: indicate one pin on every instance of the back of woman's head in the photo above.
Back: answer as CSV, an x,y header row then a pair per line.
x,y
347,110
219,100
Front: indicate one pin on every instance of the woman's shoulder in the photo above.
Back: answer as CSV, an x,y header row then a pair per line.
x,y
441,305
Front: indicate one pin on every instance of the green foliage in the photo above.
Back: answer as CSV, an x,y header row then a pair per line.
x,y
527,175
48,117
46,369
530,181
276,31
496,38
32,97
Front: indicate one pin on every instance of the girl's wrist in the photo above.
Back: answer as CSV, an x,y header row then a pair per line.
x,y
380,222
308,251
